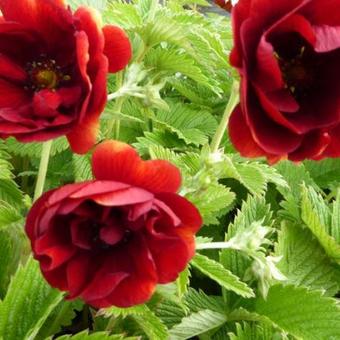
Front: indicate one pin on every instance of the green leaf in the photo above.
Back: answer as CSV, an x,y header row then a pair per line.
x,y
10,192
28,303
252,331
211,201
143,316
171,62
316,215
116,311
197,301
61,316
197,323
8,215
302,313
183,282
11,243
324,172
33,150
163,29
222,276
183,119
252,210
96,336
295,175
335,223
304,262
151,325
170,312
97,4
5,166
82,167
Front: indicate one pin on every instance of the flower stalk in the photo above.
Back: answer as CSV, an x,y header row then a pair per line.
x,y
44,160
233,100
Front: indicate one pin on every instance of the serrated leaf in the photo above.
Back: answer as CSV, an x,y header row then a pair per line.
x,y
28,303
304,262
61,316
183,282
116,311
252,210
324,172
197,323
151,325
211,201
8,215
221,275
33,150
96,336
335,223
302,313
11,244
82,168
172,62
97,4
10,193
316,215
197,301
252,331
163,29
170,312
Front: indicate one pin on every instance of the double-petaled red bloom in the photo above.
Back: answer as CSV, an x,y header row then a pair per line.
x,y
53,69
288,56
111,240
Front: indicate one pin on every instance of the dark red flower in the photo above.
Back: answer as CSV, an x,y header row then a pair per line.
x,y
225,4
287,53
111,240
53,70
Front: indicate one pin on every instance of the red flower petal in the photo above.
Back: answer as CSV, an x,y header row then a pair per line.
x,y
50,18
327,38
46,103
10,70
55,256
116,161
94,188
267,73
169,266
140,284
84,135
32,217
78,273
241,137
12,95
123,197
312,146
117,48
97,66
188,214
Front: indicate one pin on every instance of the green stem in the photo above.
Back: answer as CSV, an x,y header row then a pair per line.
x,y
214,245
45,156
233,100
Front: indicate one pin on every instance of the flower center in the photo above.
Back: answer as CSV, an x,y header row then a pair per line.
x,y
298,72
45,74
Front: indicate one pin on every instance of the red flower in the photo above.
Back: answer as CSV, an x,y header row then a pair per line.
x,y
53,69
225,4
287,53
111,240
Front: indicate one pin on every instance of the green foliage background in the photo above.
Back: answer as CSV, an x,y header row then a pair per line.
x,y
278,276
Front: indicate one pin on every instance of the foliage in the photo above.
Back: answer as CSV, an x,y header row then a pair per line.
x,y
277,276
